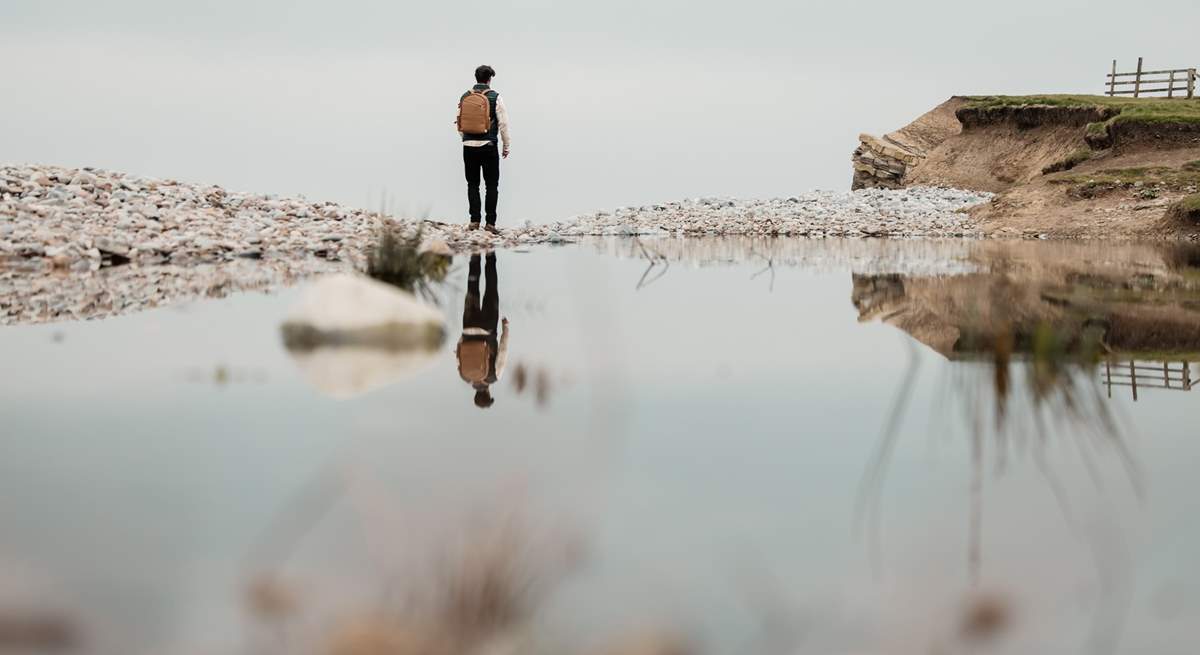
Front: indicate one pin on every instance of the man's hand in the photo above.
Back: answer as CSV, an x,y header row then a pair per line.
x,y
504,321
505,153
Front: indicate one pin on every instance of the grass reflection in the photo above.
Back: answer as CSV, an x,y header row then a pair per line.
x,y
1027,336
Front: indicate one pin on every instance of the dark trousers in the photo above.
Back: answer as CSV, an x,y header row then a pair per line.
x,y
485,159
485,315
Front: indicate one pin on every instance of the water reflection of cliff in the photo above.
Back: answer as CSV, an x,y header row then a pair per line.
x,y
1138,302
1034,329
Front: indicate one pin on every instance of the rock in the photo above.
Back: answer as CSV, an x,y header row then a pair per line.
x,y
354,310
437,247
112,246
82,178
350,334
31,249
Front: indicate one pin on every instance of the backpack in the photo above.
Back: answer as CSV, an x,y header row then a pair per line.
x,y
475,113
474,360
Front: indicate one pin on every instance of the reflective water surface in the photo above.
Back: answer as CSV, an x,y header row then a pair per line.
x,y
662,446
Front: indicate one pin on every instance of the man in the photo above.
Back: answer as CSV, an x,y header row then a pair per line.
x,y
483,124
480,355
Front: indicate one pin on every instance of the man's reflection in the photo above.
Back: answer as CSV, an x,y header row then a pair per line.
x,y
480,356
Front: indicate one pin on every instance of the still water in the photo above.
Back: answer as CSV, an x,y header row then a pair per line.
x,y
719,446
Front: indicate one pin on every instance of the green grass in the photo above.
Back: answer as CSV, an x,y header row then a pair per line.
x,y
1150,179
1188,207
1132,110
1170,177
1070,161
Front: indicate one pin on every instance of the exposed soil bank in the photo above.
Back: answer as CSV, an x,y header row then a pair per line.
x,y
1061,166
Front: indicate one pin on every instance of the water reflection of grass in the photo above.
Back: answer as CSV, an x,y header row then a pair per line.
x,y
1022,389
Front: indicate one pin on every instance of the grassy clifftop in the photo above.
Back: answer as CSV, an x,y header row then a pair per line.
x,y
1124,110
1110,121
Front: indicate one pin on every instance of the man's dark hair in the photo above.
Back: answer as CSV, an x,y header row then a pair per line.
x,y
484,74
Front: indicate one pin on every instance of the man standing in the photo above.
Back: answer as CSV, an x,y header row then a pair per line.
x,y
483,124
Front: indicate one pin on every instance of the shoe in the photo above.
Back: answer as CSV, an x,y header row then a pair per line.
x,y
474,225
492,228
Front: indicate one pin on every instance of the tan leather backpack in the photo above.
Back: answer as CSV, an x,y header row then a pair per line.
x,y
474,360
475,113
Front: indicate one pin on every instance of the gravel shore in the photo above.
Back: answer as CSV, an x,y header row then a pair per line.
x,y
917,212
77,243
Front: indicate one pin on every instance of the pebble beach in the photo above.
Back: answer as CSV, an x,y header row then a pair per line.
x,y
83,243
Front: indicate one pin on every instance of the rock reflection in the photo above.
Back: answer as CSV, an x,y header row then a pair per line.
x,y
350,334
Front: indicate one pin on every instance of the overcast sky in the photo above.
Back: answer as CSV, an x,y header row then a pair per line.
x,y
612,103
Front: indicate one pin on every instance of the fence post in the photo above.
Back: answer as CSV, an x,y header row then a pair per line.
x,y
1112,81
1171,86
1133,371
1191,83
1137,80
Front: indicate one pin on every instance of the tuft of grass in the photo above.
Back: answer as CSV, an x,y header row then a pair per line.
x,y
397,260
1188,208
1070,161
1192,166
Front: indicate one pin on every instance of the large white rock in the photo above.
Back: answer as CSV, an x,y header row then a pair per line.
x,y
350,334
346,304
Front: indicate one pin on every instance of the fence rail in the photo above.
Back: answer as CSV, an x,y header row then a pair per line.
x,y
1179,82
1148,375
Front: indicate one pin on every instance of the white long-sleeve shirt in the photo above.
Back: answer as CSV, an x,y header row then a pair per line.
x,y
502,119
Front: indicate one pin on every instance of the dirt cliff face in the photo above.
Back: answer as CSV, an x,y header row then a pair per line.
x,y
997,156
1062,171
1126,138
1031,116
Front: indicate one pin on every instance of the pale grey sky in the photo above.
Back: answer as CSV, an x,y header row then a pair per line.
x,y
612,103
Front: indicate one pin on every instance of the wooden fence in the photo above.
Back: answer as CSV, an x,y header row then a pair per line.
x,y
1180,82
1148,375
